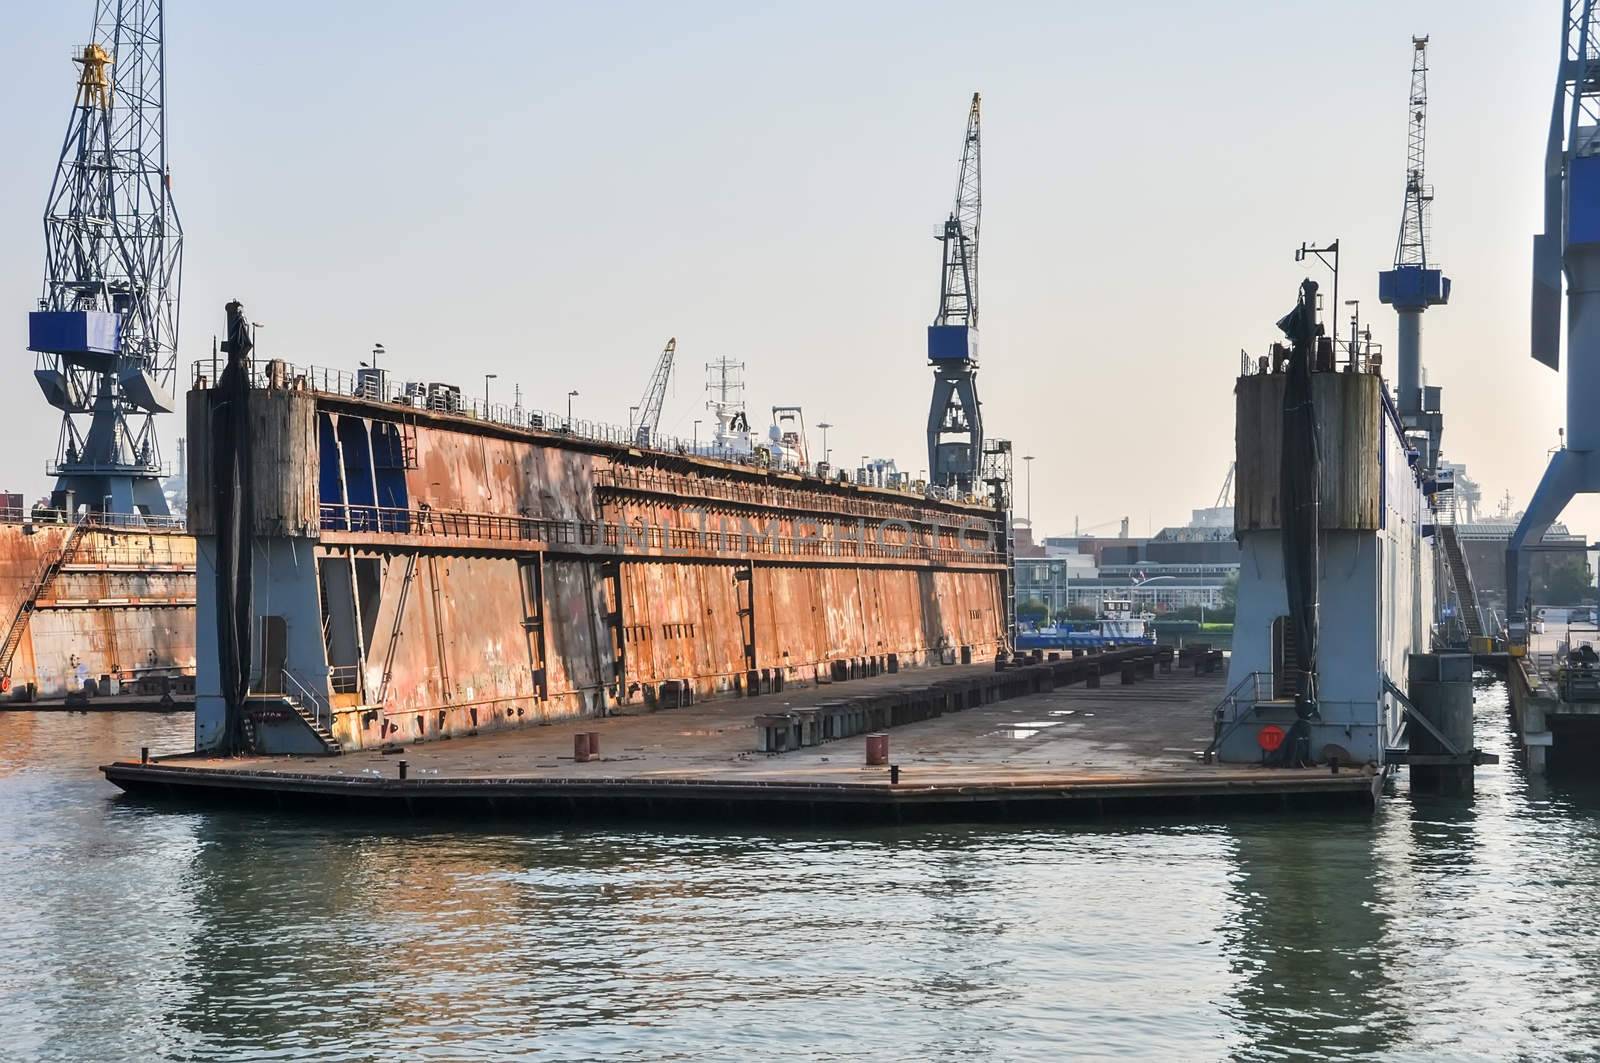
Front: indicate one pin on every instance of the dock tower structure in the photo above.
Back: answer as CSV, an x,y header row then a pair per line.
x,y
105,332
1414,284
955,418
1570,243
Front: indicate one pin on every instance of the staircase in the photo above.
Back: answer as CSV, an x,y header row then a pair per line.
x,y
313,711
1286,680
1461,578
41,584
329,745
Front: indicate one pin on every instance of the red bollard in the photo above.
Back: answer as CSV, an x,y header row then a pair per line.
x,y
877,749
580,748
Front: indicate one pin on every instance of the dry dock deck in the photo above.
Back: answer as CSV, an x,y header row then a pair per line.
x,y
1065,752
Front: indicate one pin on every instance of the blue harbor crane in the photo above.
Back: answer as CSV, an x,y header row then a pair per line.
x,y
106,329
1414,284
1570,243
655,396
955,418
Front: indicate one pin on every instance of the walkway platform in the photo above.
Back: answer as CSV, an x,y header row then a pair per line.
x,y
1557,718
1051,750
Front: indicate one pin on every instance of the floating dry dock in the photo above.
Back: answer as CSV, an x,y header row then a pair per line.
x,y
1101,734
104,603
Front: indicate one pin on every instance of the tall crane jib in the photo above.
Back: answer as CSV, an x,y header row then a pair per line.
x,y
1416,283
105,332
655,396
1570,243
955,418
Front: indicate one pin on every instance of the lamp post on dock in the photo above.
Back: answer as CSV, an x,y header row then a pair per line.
x,y
696,445
570,396
486,378
1027,464
825,425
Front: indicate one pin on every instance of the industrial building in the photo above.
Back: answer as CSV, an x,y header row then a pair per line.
x,y
1177,568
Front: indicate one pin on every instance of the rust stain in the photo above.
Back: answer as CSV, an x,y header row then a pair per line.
x,y
123,606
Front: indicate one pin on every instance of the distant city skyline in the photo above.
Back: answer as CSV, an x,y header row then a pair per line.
x,y
548,193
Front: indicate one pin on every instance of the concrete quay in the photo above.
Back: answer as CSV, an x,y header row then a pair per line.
x,y
1103,734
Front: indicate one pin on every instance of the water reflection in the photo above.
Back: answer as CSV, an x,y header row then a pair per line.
x,y
1306,934
1438,930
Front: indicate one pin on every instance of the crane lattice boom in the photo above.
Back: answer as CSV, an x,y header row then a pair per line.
x,y
655,395
1412,247
958,298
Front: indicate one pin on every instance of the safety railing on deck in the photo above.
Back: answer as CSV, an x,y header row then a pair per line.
x,y
849,540
126,521
439,398
345,679
1257,687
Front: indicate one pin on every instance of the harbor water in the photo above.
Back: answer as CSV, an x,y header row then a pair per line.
x,y
1436,930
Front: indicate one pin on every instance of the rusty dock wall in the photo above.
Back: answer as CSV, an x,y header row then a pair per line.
x,y
422,573
122,604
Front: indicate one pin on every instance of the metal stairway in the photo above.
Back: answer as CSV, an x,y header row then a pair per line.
x,y
41,584
304,702
329,745
1461,577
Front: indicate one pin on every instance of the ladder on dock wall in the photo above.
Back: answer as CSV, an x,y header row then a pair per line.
x,y
399,619
1461,579
41,584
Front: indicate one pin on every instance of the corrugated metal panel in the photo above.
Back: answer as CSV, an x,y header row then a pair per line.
x,y
201,520
283,462
1349,416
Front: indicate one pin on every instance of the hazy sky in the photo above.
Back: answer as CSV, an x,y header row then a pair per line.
x,y
549,191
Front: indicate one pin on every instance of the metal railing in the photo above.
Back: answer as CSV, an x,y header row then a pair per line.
x,y
437,398
1261,689
344,679
711,488
161,469
1224,720
321,711
859,541
126,521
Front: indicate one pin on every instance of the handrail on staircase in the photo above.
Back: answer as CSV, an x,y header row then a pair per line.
x,y
1254,679
319,705
1455,553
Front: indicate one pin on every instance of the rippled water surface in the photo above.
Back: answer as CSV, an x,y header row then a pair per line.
x,y
1437,930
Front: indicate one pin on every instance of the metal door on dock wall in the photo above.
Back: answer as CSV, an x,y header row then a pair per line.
x,y
790,631
682,621
579,656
